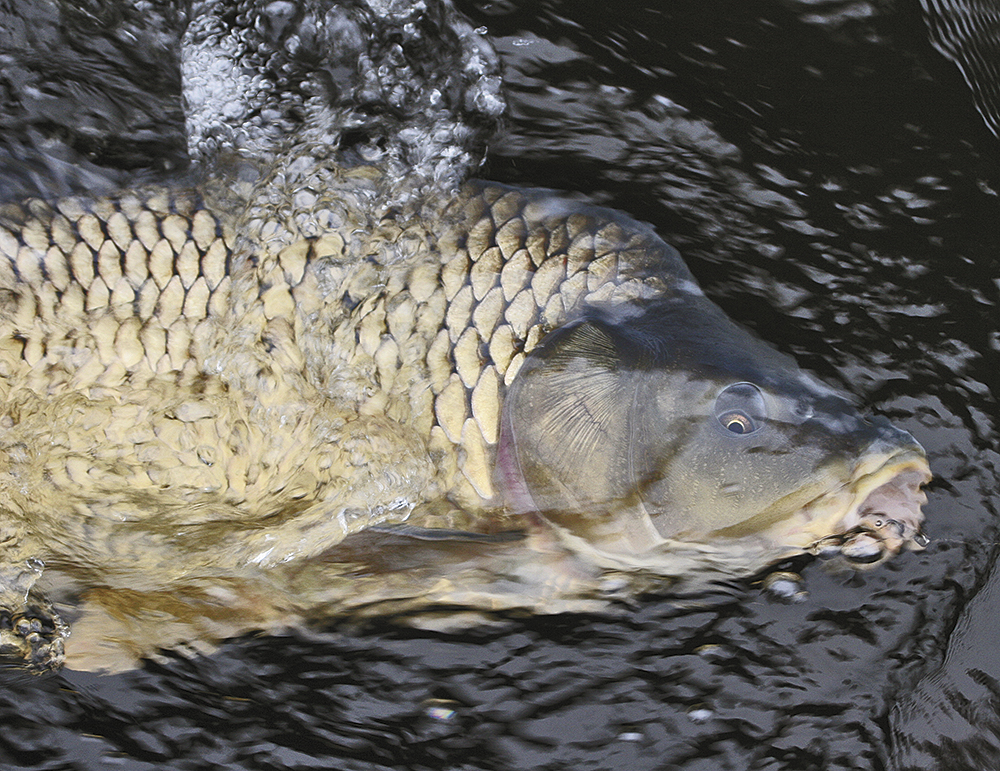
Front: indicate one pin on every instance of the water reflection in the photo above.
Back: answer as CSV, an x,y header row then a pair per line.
x,y
90,97
968,33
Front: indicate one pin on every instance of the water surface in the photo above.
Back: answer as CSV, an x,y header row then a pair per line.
x,y
825,173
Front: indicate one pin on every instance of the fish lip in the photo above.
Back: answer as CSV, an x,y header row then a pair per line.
x,y
842,519
908,466
888,500
885,515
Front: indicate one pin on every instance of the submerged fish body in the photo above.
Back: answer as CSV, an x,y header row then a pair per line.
x,y
313,386
182,402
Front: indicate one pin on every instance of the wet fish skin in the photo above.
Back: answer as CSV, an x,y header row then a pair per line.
x,y
178,403
183,401
157,375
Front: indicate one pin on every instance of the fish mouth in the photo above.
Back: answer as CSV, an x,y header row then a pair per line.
x,y
884,515
867,519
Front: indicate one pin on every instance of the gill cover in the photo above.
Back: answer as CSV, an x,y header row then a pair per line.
x,y
566,435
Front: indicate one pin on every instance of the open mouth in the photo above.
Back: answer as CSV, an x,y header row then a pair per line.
x,y
886,515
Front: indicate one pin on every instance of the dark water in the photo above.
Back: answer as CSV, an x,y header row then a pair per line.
x,y
825,172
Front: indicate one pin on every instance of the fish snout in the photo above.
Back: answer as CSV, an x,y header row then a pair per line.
x,y
889,517
888,478
888,439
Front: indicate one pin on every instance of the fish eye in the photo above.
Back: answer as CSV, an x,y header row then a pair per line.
x,y
740,408
737,423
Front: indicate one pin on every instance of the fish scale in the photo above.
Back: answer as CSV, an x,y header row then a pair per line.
x,y
125,269
144,297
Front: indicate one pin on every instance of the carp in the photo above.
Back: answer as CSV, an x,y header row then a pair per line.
x,y
227,411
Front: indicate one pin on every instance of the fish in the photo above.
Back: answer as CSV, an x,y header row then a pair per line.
x,y
192,398
327,375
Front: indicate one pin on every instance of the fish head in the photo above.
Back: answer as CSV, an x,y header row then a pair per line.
x,y
632,428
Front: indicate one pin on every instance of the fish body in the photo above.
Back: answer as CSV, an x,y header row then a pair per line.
x,y
181,398
334,377
143,352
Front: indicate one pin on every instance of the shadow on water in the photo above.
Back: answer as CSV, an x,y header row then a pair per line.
x,y
825,173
